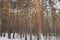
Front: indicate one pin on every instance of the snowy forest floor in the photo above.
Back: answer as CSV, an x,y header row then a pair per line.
x,y
17,37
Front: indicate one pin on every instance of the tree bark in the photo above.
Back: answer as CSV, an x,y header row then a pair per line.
x,y
39,19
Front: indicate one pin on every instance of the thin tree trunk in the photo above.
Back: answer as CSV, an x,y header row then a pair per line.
x,y
9,35
30,19
30,23
7,6
54,18
14,35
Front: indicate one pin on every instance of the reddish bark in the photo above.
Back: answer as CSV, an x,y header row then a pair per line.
x,y
39,18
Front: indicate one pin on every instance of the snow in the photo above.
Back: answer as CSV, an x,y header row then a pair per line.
x,y
57,5
17,37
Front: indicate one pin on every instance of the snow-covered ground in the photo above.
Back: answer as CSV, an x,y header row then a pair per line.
x,y
17,37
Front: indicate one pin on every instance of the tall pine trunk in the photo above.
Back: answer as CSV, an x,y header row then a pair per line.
x,y
39,19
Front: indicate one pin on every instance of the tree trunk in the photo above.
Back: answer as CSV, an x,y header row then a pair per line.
x,y
39,19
